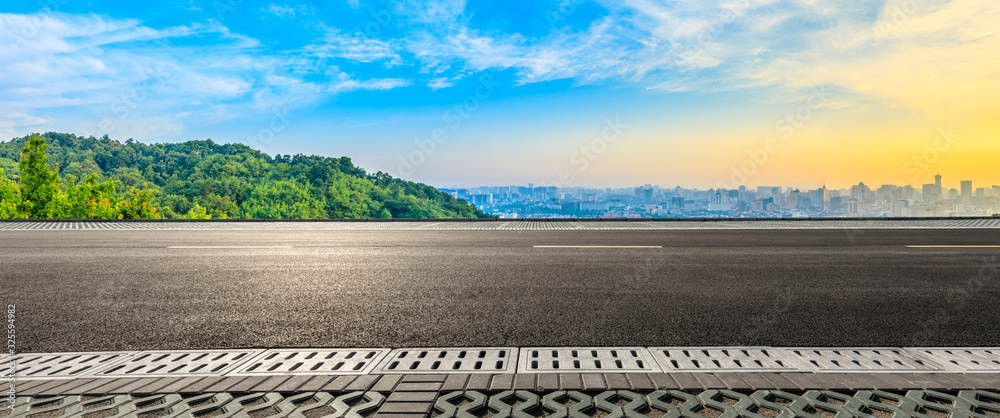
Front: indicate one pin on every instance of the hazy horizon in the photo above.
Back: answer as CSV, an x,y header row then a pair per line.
x,y
607,93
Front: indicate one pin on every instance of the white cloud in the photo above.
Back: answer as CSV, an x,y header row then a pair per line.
x,y
281,11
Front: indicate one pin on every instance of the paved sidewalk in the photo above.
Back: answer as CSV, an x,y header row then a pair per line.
x,y
499,380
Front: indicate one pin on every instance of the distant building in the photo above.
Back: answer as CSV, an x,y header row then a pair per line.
x,y
966,189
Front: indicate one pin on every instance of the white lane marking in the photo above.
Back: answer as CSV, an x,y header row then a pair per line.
x,y
598,246
227,246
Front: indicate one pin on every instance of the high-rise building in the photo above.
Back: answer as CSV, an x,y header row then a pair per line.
x,y
966,189
931,194
937,182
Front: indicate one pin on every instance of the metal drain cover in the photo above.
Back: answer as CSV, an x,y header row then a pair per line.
x,y
872,360
449,360
179,363
584,360
286,362
728,359
63,365
963,360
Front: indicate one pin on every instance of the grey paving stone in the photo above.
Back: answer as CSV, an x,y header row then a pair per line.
x,y
924,381
710,381
418,387
687,381
22,385
640,381
246,384
502,382
571,381
338,384
292,385
855,381
405,408
757,381
269,384
387,382
663,381
525,381
733,381
547,381
398,415
803,380
363,382
412,397
67,387
39,389
479,382
418,378
982,381
132,388
455,382
88,389
114,386
594,381
154,387
617,381
954,381
780,382
224,384
180,385
316,383
200,385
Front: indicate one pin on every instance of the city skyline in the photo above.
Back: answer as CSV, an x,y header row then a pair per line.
x,y
931,199
468,92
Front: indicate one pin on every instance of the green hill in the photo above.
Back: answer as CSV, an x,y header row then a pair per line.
x,y
236,181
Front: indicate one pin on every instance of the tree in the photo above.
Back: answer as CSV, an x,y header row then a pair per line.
x,y
39,183
198,212
138,205
11,204
91,199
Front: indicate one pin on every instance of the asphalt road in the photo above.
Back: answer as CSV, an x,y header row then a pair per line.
x,y
127,290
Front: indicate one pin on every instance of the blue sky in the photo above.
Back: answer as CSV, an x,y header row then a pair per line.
x,y
518,91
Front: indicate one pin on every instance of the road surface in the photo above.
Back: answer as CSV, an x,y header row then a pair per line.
x,y
135,290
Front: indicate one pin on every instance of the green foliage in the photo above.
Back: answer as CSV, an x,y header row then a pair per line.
x,y
92,199
11,204
39,194
996,215
198,212
236,181
39,183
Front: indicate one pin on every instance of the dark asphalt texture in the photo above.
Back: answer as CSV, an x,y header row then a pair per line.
x,y
124,290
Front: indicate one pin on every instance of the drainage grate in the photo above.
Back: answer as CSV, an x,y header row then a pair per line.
x,y
179,363
63,365
730,359
285,362
449,360
860,359
963,360
583,360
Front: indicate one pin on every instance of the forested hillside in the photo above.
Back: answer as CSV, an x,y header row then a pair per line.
x,y
236,181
